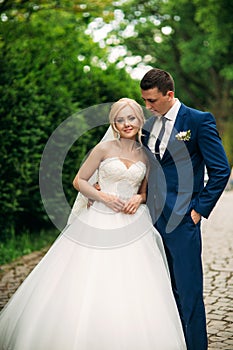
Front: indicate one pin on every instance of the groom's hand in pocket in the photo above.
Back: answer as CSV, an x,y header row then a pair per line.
x,y
90,201
196,217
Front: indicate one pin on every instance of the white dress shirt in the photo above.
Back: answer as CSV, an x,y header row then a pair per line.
x,y
171,118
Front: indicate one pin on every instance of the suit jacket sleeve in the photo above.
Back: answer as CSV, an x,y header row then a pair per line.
x,y
216,162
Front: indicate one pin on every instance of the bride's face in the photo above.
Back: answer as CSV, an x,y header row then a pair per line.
x,y
127,123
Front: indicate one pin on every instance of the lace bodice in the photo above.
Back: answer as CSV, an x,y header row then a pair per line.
x,y
114,177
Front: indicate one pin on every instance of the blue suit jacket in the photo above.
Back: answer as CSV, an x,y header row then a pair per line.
x,y
176,183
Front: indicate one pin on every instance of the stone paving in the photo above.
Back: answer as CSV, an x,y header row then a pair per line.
x,y
217,233
218,271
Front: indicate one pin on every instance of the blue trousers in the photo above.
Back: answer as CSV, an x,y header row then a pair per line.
x,y
183,250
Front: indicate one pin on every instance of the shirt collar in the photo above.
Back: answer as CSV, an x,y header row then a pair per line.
x,y
173,111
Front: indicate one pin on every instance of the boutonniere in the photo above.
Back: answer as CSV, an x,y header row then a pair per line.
x,y
184,135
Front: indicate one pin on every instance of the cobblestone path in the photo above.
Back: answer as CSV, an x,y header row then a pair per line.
x,y
217,233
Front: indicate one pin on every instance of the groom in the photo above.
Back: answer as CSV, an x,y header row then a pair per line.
x,y
182,143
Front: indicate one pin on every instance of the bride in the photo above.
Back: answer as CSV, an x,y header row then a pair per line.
x,y
104,284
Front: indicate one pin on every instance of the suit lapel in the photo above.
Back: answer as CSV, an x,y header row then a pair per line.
x,y
147,130
179,123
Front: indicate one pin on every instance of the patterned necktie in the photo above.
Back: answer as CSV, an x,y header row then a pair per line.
x,y
159,138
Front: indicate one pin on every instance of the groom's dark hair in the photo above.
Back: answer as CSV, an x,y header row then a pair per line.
x,y
158,78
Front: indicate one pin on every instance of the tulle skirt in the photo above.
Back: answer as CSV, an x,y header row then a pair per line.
x,y
97,293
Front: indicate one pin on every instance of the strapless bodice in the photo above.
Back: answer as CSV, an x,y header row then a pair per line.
x,y
116,178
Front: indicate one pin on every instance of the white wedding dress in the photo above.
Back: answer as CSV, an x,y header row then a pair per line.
x,y
103,285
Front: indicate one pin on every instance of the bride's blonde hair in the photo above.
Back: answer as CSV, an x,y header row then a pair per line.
x,y
137,112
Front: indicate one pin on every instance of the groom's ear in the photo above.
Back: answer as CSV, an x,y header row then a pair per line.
x,y
170,95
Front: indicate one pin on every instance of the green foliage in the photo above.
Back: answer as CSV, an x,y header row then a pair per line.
x,y
21,10
26,243
227,140
50,69
194,41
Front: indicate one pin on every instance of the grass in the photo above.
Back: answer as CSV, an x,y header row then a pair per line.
x,y
24,244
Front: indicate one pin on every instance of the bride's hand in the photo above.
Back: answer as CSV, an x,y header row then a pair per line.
x,y
112,201
132,205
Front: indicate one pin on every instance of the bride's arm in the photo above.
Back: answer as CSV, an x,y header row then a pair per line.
x,y
87,169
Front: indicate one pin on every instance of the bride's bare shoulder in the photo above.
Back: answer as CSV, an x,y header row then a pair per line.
x,y
105,146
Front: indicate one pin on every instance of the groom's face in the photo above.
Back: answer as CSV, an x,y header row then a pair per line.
x,y
157,103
